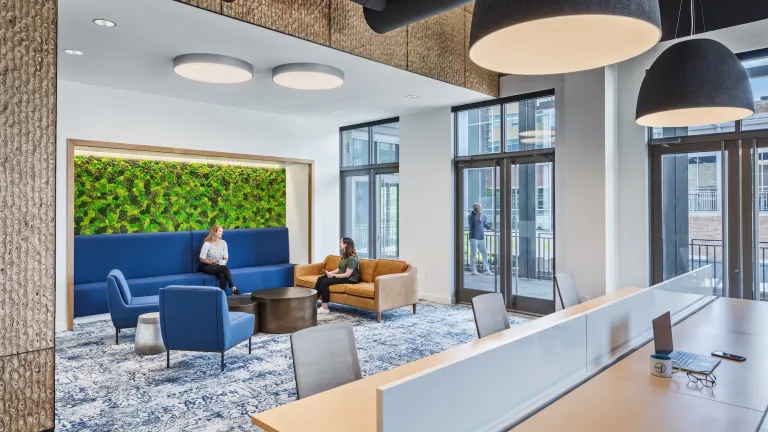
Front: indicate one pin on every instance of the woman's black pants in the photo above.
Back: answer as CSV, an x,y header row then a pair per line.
x,y
220,271
323,286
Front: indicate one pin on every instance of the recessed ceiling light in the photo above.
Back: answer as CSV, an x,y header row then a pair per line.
x,y
413,96
337,112
308,76
104,22
213,68
74,52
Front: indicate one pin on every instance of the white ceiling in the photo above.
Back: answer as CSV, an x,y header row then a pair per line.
x,y
137,55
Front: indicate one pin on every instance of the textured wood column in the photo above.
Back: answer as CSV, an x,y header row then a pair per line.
x,y
27,213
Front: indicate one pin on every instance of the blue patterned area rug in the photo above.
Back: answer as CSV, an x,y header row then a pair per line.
x,y
104,387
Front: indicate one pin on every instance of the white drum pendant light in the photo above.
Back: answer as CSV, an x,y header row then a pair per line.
x,y
308,76
693,83
213,68
540,37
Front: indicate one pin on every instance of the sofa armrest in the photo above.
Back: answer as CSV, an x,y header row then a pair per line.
x,y
396,290
308,270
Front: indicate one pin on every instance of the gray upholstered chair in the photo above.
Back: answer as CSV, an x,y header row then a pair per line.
x,y
324,357
566,290
490,314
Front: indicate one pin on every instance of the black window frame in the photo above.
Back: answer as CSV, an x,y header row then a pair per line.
x,y
372,169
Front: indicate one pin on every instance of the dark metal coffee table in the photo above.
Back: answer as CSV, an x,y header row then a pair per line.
x,y
286,310
244,303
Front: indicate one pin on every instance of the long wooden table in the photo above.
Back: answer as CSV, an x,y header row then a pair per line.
x,y
355,403
627,397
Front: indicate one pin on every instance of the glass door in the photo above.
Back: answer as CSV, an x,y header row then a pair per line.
x,y
387,205
531,242
479,237
356,221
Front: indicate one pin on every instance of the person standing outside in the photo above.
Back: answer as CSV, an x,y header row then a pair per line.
x,y
477,227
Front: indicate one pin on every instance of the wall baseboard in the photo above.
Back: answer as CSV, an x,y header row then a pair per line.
x,y
436,298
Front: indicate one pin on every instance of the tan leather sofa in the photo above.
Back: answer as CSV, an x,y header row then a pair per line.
x,y
384,284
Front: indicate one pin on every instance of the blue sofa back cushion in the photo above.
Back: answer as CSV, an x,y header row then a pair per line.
x,y
139,255
249,247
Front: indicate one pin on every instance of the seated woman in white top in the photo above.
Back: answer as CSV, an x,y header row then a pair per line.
x,y
214,256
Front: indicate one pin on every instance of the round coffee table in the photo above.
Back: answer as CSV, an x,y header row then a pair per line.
x,y
244,303
148,339
286,310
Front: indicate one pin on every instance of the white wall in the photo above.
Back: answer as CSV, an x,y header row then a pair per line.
x,y
427,201
105,114
296,210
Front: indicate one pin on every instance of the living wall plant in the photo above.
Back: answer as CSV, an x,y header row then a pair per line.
x,y
117,195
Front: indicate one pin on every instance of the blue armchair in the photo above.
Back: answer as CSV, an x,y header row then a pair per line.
x,y
124,309
197,319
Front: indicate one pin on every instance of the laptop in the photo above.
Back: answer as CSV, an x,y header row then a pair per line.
x,y
662,340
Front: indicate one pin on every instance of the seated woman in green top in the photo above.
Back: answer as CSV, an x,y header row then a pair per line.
x,y
348,273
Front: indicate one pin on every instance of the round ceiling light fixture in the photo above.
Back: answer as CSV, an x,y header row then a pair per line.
x,y
412,96
692,83
560,36
308,76
104,22
73,52
213,68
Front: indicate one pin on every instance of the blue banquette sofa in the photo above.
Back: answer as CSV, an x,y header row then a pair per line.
x,y
259,259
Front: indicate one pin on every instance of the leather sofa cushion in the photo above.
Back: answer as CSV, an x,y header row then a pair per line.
x,y
360,290
367,270
340,288
308,281
386,267
332,262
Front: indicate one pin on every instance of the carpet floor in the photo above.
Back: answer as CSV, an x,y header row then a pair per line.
x,y
101,386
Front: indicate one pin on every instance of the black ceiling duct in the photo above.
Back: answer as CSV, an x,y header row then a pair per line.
x,y
400,13
377,5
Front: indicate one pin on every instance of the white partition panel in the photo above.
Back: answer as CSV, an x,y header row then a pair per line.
x,y
490,387
477,392
618,326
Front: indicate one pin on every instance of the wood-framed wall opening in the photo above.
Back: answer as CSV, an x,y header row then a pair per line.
x,y
159,152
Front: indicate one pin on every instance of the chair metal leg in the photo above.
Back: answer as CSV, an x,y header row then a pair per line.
x,y
222,361
249,345
117,334
167,359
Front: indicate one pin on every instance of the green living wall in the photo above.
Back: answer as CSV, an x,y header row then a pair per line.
x,y
115,195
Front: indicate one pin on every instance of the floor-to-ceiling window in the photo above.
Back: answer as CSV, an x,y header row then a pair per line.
x,y
709,197
504,166
370,187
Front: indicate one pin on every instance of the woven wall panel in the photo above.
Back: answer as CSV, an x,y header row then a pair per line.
x,y
26,389
306,19
350,33
477,78
211,5
436,47
27,174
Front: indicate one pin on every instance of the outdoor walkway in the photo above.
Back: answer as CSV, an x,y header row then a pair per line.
x,y
525,287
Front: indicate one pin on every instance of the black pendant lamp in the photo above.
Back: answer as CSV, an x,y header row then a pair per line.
x,y
692,83
539,37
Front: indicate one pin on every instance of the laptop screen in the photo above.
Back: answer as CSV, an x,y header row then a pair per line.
x,y
662,334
